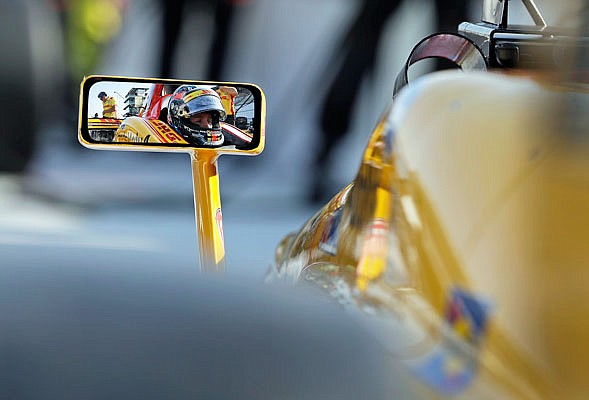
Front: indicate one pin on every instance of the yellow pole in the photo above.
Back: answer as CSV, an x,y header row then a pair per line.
x,y
209,218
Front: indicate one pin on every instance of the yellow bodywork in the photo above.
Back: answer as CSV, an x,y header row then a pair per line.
x,y
141,130
462,238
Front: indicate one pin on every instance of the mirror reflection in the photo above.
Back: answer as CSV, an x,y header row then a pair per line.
x,y
207,115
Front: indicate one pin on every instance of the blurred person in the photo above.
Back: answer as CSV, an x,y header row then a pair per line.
x,y
355,57
17,134
88,28
109,105
30,77
27,94
228,95
174,15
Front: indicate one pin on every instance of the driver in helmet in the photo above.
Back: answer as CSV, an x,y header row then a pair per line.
x,y
196,112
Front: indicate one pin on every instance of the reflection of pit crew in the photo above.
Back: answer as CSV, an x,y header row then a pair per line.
x,y
195,113
109,105
228,95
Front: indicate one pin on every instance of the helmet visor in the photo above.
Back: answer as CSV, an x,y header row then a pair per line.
x,y
202,103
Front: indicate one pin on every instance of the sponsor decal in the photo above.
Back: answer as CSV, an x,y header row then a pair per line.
x,y
467,315
219,219
164,132
330,235
372,262
445,371
451,365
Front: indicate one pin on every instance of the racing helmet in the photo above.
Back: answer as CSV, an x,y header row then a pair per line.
x,y
190,100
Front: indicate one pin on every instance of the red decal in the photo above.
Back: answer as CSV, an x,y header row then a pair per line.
x,y
219,219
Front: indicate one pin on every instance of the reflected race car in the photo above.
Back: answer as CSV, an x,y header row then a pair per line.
x,y
152,125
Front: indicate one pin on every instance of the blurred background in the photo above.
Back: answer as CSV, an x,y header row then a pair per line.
x,y
327,68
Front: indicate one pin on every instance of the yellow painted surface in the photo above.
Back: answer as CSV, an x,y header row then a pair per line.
x,y
483,186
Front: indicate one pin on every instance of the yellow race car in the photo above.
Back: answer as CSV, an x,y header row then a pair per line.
x,y
462,240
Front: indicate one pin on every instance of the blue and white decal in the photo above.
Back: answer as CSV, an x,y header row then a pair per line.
x,y
330,235
451,365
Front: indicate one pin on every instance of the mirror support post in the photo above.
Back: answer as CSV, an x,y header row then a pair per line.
x,y
209,218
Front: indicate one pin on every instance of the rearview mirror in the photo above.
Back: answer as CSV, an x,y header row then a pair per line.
x,y
171,115
202,118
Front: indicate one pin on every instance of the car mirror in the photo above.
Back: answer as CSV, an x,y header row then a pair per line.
x,y
202,118
171,115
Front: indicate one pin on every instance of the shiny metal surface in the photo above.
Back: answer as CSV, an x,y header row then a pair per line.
x,y
493,11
